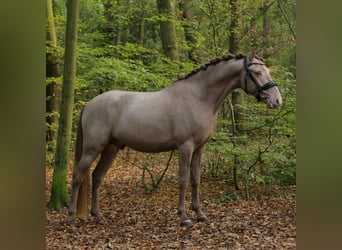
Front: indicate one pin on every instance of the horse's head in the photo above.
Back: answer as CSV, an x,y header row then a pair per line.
x,y
256,80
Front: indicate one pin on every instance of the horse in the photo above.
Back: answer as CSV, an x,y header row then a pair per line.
x,y
182,117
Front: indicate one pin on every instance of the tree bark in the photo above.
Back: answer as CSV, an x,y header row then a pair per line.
x,y
168,28
237,97
234,47
59,193
266,31
234,27
118,23
52,73
184,6
142,22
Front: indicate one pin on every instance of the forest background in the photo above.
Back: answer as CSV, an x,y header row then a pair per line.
x,y
145,45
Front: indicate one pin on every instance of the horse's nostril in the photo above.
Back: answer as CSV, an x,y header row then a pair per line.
x,y
278,102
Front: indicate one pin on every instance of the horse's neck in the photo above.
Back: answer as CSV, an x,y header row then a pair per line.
x,y
213,85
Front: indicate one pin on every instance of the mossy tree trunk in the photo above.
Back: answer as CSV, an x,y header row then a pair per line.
x,y
189,32
52,74
59,192
168,28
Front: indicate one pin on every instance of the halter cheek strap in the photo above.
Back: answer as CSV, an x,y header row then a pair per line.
x,y
266,86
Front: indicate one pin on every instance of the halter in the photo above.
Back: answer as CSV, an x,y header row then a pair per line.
x,y
266,86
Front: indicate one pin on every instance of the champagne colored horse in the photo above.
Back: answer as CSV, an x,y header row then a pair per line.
x,y
181,116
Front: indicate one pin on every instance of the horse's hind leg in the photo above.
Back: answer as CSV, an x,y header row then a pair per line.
x,y
106,160
79,174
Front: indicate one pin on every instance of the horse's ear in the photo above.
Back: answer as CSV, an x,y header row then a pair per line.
x,y
252,54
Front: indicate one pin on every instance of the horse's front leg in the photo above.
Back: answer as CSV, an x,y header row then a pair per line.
x,y
195,182
185,154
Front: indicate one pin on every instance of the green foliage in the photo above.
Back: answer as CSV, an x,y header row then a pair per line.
x,y
125,67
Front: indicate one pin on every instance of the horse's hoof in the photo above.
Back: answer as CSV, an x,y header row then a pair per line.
x,y
72,221
99,221
186,223
97,217
202,219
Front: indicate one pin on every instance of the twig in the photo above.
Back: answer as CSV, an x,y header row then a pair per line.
x,y
155,184
258,159
277,117
254,19
287,20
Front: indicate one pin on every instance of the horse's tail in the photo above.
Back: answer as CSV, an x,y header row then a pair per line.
x,y
83,193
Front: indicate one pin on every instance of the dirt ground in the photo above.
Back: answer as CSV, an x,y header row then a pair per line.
x,y
136,220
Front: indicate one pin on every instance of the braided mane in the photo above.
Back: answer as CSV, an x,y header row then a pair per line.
x,y
212,62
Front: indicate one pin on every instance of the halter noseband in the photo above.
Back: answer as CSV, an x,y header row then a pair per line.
x,y
266,86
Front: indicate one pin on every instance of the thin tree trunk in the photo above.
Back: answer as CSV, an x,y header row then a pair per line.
x,y
234,27
142,23
118,23
184,6
234,47
168,28
59,193
237,97
52,73
266,31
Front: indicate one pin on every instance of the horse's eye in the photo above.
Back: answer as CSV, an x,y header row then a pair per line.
x,y
258,73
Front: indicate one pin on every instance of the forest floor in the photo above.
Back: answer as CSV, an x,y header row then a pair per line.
x,y
136,220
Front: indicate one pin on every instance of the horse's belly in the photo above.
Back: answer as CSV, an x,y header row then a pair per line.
x,y
147,143
152,148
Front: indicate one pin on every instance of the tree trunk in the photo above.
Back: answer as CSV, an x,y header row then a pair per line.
x,y
59,193
118,23
237,97
184,6
234,27
266,31
168,28
142,22
234,47
52,73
